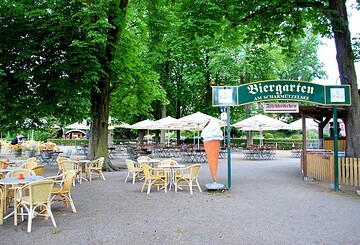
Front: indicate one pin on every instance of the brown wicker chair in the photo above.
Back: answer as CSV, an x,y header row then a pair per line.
x,y
154,177
133,170
95,167
186,176
39,197
62,188
38,170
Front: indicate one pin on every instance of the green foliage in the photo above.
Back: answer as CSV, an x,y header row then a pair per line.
x,y
268,136
356,47
163,53
296,137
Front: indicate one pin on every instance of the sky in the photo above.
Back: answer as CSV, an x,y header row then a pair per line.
x,y
327,52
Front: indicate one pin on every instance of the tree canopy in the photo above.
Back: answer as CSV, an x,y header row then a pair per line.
x,y
69,60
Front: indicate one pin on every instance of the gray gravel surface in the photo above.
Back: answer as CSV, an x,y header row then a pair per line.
x,y
269,203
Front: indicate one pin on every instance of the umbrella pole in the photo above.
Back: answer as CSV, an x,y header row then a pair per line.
x,y
148,137
168,138
261,139
198,137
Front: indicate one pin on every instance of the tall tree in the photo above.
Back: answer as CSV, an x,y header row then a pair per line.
x,y
66,59
283,21
345,59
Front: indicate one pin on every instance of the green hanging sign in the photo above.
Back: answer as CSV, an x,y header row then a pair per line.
x,y
279,90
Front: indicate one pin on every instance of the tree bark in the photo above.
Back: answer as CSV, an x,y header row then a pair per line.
x,y
345,60
100,101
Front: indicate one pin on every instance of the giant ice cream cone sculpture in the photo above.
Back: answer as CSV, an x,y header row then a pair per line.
x,y
212,149
211,135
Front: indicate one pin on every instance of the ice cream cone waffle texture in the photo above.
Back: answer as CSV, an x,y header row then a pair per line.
x,y
212,149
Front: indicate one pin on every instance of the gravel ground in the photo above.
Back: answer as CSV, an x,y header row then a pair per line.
x,y
269,203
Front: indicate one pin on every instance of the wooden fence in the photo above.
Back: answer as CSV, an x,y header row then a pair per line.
x,y
322,168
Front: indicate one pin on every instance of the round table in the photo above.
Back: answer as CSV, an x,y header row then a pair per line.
x,y
8,169
171,172
81,164
151,162
15,180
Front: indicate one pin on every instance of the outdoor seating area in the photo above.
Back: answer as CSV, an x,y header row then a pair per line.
x,y
27,190
256,152
179,199
165,174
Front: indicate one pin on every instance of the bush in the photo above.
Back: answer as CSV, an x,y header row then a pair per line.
x,y
296,137
268,136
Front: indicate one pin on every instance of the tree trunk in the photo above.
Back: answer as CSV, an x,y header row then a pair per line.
x,y
100,96
100,101
345,60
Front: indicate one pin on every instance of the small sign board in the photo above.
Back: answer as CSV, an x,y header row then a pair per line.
x,y
281,107
223,116
338,95
225,96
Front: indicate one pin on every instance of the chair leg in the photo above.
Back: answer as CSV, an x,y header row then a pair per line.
x,y
48,207
190,187
72,204
198,185
15,216
101,175
143,187
30,218
134,177
176,185
127,176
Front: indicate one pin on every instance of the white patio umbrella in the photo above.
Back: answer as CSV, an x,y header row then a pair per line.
x,y
197,121
145,124
165,123
310,124
81,126
122,125
260,123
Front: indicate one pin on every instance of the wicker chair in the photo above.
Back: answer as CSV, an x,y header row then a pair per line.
x,y
15,173
39,197
59,162
71,165
29,165
133,170
24,171
95,167
186,176
154,177
62,188
38,170
2,201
